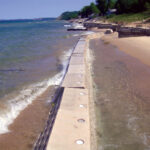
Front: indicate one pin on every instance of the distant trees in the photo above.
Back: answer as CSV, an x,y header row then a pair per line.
x,y
128,6
122,6
85,12
89,10
94,9
102,6
111,4
69,15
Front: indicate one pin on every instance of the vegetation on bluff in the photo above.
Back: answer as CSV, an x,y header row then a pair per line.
x,y
126,10
87,11
129,17
69,15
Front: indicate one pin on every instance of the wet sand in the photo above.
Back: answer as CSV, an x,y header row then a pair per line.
x,y
122,85
28,125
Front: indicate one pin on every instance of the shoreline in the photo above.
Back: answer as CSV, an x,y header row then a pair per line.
x,y
30,122
28,125
124,56
27,73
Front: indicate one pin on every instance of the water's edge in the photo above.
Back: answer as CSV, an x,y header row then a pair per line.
x,y
28,95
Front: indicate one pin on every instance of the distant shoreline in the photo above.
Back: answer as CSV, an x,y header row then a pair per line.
x,y
34,19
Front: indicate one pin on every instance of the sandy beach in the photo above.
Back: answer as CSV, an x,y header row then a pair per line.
x,y
121,85
137,47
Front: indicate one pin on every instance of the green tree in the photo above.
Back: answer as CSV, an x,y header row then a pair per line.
x,y
94,9
89,10
111,4
102,5
69,15
128,6
142,4
86,11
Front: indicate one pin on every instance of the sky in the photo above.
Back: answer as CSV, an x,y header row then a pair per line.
x,y
26,9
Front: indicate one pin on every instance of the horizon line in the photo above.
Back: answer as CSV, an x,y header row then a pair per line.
x,y
29,18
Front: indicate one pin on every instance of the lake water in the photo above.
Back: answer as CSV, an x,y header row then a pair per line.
x,y
33,57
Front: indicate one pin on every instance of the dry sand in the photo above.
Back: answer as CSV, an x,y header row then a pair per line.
x,y
138,47
122,101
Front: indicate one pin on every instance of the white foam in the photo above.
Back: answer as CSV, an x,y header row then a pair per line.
x,y
83,33
87,33
27,95
67,25
76,35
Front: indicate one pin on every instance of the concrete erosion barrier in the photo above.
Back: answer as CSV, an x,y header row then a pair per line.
x,y
101,26
68,125
131,31
71,130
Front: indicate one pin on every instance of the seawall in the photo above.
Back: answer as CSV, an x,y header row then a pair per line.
x,y
72,126
68,125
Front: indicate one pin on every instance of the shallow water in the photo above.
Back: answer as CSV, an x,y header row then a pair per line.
x,y
29,48
33,57
122,99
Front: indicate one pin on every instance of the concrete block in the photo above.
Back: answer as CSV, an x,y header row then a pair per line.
x,y
74,80
67,129
77,60
79,69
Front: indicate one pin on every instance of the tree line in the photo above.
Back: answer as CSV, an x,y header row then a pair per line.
x,y
101,7
123,6
69,15
85,12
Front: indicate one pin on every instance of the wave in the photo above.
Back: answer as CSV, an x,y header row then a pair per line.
x,y
29,94
83,33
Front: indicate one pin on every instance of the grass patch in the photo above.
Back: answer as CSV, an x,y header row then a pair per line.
x,y
128,18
